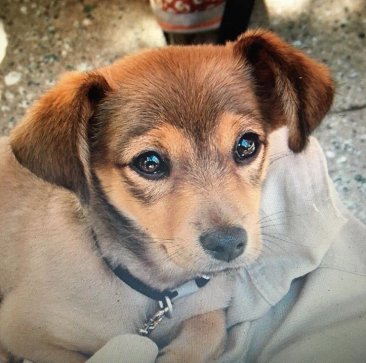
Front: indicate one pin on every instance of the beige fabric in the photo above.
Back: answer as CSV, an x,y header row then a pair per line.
x,y
304,299
126,348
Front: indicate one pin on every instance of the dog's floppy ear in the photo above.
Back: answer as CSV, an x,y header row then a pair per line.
x,y
291,88
52,141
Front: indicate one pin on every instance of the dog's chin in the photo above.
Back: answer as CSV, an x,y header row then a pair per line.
x,y
211,266
220,266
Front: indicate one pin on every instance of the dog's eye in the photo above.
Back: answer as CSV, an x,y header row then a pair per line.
x,y
150,165
246,147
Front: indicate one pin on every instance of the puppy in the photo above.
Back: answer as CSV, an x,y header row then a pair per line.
x,y
152,166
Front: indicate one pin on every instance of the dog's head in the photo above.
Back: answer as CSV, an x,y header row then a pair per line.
x,y
176,140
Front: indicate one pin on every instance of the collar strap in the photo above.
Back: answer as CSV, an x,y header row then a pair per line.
x,y
162,297
185,289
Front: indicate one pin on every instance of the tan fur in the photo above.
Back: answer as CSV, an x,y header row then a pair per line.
x,y
208,330
66,176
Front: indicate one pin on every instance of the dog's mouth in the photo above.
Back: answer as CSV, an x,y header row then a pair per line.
x,y
228,266
215,250
204,263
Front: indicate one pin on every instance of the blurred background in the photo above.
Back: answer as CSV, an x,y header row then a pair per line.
x,y
47,38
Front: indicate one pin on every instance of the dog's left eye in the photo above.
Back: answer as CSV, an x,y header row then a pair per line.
x,y
150,165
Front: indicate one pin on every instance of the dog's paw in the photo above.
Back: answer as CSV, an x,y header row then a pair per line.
x,y
182,355
171,356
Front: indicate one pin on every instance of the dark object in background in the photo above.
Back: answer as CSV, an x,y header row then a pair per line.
x,y
235,21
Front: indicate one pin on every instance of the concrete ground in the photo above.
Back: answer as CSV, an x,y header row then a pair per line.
x,y
46,38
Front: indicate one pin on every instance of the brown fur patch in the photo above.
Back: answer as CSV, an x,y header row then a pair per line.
x,y
52,140
293,89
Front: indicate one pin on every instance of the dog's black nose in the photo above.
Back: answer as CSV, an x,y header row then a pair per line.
x,y
225,243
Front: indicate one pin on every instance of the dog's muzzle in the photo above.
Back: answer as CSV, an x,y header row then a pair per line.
x,y
225,243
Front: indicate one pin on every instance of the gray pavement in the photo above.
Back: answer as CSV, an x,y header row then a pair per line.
x,y
46,38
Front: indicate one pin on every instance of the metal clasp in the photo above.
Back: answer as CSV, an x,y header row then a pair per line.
x,y
167,303
165,309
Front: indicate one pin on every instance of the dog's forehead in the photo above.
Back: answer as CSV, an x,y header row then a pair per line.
x,y
189,88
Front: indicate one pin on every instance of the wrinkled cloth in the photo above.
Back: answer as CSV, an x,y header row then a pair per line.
x,y
188,16
303,299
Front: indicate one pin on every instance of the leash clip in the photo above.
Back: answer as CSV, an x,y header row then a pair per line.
x,y
165,309
167,305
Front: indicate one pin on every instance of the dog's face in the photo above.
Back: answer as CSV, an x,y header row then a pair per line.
x,y
177,141
183,155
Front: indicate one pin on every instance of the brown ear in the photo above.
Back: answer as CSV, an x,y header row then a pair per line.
x,y
52,141
292,89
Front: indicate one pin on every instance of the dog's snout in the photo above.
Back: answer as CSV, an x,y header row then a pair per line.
x,y
225,243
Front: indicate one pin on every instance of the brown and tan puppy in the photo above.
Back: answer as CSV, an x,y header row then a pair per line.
x,y
156,164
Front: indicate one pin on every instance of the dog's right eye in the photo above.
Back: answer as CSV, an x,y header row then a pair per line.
x,y
246,147
150,165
